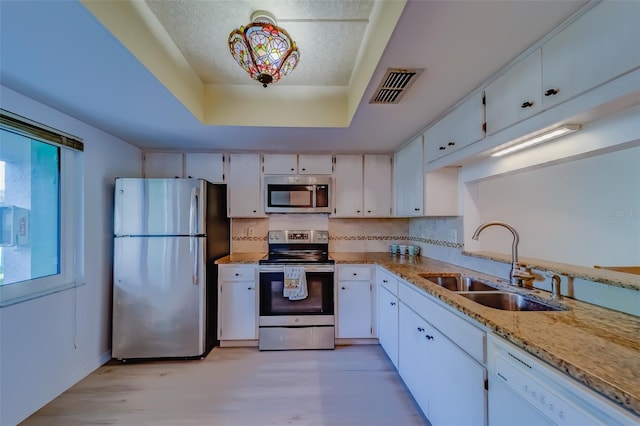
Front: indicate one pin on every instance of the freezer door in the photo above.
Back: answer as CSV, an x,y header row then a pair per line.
x,y
159,206
158,297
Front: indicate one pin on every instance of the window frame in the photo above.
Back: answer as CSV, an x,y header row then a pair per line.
x,y
71,204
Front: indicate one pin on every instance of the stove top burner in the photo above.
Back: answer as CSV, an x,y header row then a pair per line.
x,y
298,247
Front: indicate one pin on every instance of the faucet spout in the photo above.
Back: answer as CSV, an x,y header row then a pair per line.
x,y
519,274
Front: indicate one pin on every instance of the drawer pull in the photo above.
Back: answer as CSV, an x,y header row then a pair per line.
x,y
385,281
451,143
551,92
344,288
428,337
442,148
237,274
526,104
420,329
393,303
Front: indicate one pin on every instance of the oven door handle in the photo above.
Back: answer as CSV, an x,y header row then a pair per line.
x,y
307,268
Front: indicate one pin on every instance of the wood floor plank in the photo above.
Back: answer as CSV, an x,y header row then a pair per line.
x,y
350,386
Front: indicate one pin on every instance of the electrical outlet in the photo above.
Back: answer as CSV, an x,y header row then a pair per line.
x,y
453,236
250,231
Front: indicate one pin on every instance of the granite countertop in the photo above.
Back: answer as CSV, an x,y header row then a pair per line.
x,y
596,346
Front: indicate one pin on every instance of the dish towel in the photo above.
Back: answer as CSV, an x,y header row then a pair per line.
x,y
295,283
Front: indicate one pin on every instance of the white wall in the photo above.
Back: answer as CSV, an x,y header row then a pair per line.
x,y
50,343
585,212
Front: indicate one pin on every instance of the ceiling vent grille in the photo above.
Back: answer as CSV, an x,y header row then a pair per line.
x,y
394,85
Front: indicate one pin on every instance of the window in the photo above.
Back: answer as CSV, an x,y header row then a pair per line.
x,y
40,211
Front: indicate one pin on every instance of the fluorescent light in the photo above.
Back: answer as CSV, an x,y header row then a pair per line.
x,y
535,139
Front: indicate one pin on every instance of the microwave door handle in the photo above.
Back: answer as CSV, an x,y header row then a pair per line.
x,y
315,196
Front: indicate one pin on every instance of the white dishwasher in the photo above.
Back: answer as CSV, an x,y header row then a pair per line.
x,y
525,391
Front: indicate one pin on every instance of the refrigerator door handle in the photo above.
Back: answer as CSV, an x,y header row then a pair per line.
x,y
194,210
194,252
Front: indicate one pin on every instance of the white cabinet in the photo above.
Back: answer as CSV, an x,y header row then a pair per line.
x,y
408,180
515,95
163,165
461,127
237,302
601,45
310,164
362,186
204,165
439,374
441,192
377,185
387,314
355,299
291,164
280,164
245,194
348,186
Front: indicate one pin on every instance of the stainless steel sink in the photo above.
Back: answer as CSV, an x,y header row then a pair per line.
x,y
509,302
456,282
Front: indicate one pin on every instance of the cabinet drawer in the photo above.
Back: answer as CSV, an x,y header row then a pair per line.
x,y
354,273
387,280
464,334
237,273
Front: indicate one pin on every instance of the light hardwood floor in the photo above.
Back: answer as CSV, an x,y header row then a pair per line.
x,y
350,386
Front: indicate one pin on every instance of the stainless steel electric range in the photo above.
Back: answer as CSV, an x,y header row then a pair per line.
x,y
309,323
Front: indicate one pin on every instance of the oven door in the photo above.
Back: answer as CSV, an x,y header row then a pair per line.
x,y
319,302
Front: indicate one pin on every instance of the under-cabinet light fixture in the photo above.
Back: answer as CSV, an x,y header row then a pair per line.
x,y
535,139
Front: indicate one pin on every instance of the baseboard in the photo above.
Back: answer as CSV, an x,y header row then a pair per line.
x,y
238,343
345,342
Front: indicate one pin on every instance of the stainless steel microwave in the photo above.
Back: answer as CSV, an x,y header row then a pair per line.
x,y
297,194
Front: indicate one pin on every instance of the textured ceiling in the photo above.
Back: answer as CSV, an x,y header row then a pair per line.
x,y
322,30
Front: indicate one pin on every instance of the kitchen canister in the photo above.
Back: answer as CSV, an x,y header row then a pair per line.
x,y
402,249
413,250
393,248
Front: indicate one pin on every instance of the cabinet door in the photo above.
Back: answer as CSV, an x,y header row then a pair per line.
x,y
377,185
348,186
315,164
280,164
163,165
515,95
409,180
601,45
354,309
245,194
454,377
238,307
387,323
413,356
460,128
207,166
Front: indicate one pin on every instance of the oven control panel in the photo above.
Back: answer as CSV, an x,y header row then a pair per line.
x,y
304,237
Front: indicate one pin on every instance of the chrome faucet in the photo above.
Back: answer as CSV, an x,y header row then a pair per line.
x,y
520,275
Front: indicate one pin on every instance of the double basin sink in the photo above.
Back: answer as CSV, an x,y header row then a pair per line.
x,y
487,295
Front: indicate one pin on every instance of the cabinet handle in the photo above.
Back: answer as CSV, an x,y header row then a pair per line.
x,y
551,92
393,303
420,329
451,143
428,337
344,288
249,288
303,169
526,104
255,211
292,169
417,209
355,273
368,211
237,274
442,148
385,281
357,211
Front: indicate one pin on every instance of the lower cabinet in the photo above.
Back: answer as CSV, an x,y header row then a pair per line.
x,y
388,323
355,299
237,303
447,384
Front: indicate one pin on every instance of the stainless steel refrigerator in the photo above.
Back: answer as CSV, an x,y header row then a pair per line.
x,y
168,233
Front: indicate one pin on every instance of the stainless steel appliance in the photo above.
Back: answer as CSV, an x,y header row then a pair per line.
x,y
297,324
297,194
168,233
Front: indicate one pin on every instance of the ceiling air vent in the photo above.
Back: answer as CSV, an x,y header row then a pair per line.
x,y
394,85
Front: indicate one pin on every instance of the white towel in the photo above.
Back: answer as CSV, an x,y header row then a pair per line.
x,y
295,283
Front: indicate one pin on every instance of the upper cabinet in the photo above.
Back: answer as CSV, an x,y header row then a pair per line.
x,y
408,180
515,95
362,186
461,127
292,164
163,165
207,166
245,194
601,45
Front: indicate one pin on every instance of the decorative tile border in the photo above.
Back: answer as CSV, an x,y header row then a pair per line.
x,y
429,241
367,237
440,243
